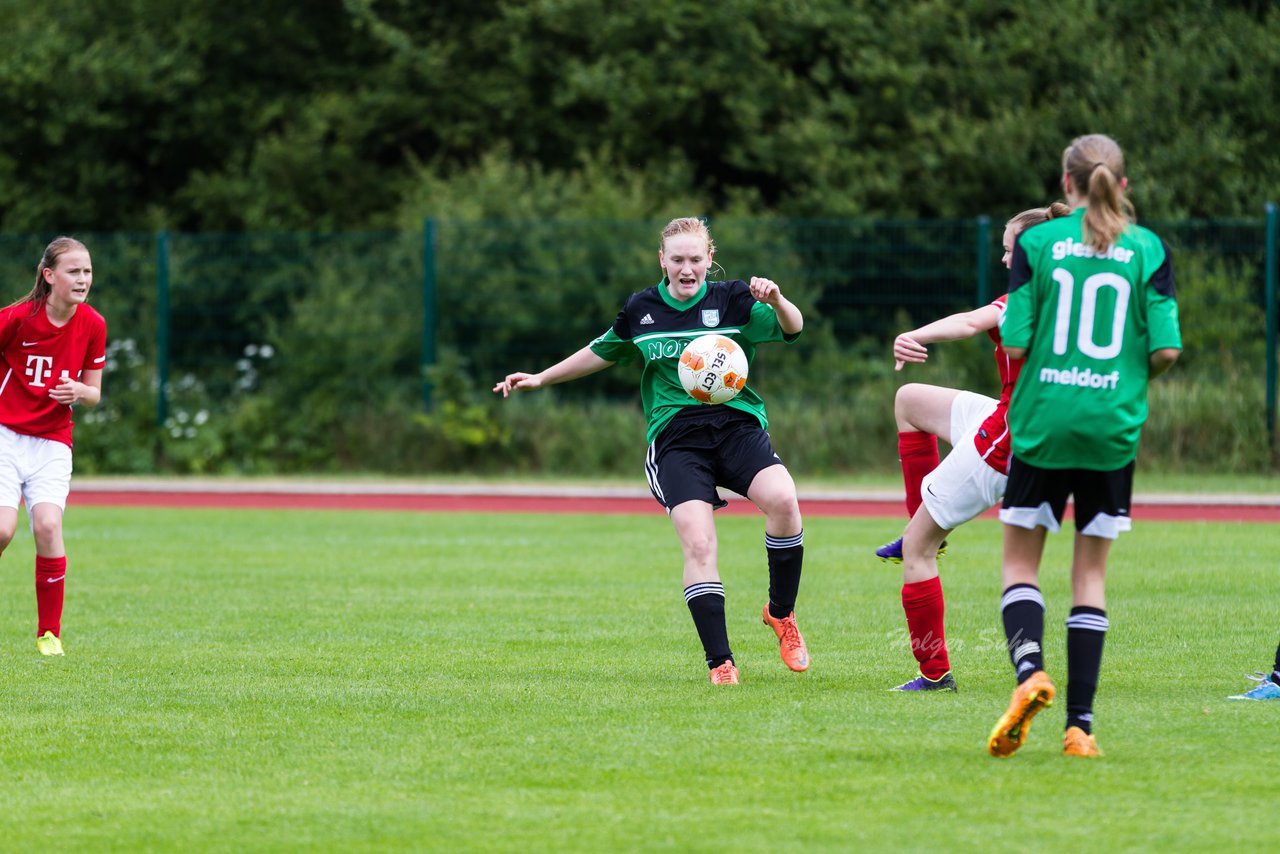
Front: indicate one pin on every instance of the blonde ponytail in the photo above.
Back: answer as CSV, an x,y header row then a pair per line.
x,y
1096,166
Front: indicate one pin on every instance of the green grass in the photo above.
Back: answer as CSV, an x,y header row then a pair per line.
x,y
244,681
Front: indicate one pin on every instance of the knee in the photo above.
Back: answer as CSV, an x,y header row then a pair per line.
x,y
783,512
904,404
701,549
46,529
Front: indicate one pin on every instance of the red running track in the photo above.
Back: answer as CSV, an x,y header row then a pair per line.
x,y
484,503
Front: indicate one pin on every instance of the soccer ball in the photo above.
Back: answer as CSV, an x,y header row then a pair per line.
x,y
713,369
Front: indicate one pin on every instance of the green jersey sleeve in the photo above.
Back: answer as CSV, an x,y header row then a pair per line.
x,y
611,348
763,326
1162,320
1162,307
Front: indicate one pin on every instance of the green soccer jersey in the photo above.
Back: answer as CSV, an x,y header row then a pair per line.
x,y
1089,321
656,327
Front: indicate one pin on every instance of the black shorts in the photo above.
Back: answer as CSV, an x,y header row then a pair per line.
x,y
703,448
1037,496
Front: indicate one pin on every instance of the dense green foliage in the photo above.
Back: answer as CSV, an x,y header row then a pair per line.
x,y
275,114
548,140
376,682
301,353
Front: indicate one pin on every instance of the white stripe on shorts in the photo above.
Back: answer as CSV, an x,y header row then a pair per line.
x,y
651,473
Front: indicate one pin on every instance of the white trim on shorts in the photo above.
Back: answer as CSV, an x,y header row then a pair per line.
x,y
963,486
1101,526
1031,517
1107,527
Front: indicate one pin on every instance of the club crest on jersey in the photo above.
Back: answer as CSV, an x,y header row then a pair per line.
x,y
711,317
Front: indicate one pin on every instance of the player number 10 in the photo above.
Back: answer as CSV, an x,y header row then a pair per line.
x,y
1088,310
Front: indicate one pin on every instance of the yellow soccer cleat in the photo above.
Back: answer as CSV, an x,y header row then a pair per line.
x,y
1077,742
1029,698
48,644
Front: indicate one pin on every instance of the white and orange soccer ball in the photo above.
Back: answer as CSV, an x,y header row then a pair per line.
x,y
713,369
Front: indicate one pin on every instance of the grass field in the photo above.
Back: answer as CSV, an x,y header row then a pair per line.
x,y
249,680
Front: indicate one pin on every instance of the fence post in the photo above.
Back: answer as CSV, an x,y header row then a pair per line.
x,y
984,267
162,328
1271,308
428,307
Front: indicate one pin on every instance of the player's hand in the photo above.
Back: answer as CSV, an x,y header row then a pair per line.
x,y
517,382
765,291
67,391
907,349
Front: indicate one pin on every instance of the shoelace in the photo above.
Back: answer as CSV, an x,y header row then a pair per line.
x,y
790,633
723,673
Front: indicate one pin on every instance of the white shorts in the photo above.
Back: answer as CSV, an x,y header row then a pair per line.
x,y
37,470
963,486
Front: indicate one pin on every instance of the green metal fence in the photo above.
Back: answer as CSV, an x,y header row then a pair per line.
x,y
376,311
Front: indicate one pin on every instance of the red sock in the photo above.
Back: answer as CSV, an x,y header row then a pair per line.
x,y
923,604
919,455
51,573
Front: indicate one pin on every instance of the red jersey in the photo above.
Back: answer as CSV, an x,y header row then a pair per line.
x,y
37,357
992,439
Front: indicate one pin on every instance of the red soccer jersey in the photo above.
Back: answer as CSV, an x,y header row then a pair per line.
x,y
37,357
992,439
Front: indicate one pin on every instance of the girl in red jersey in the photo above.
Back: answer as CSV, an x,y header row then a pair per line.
x,y
53,348
969,481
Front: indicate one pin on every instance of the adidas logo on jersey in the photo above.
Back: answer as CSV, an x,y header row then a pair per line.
x,y
646,320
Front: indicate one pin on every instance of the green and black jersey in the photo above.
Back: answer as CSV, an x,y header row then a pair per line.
x,y
1089,321
657,326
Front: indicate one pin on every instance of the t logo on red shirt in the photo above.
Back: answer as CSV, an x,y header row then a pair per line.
x,y
39,367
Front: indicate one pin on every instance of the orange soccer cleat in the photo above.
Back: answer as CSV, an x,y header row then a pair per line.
x,y
725,674
790,643
1029,698
1077,742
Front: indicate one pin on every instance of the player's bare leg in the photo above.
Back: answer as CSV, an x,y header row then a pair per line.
x,y
8,526
924,408
920,543
695,526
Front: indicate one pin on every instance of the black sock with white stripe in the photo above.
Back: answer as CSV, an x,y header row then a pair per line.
x,y
1275,674
706,604
786,554
1086,630
1022,608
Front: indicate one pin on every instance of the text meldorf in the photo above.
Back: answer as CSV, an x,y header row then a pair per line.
x,y
1076,377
